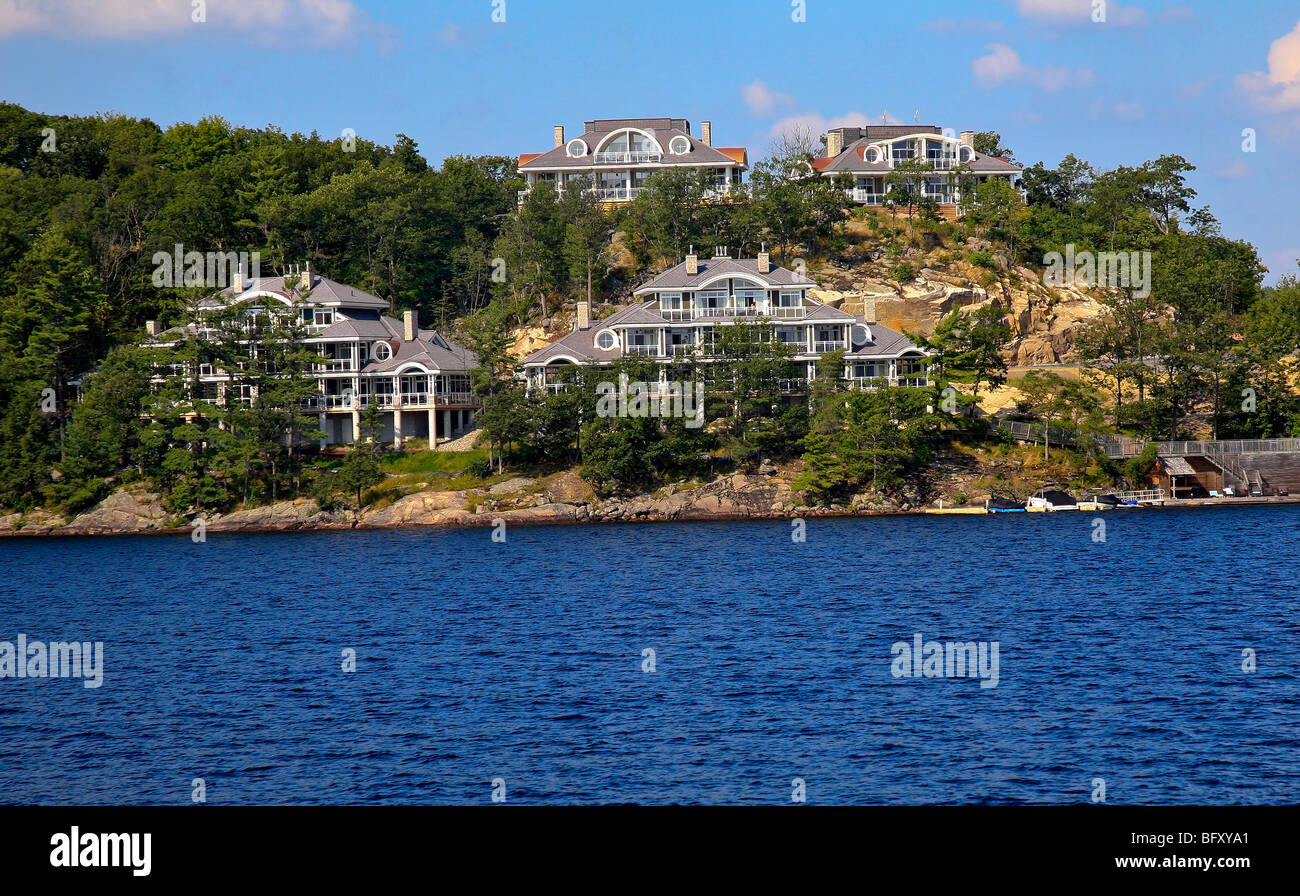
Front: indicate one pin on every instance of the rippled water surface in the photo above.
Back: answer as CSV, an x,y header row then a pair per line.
x,y
523,661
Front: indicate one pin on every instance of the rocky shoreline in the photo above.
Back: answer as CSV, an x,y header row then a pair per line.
x,y
562,498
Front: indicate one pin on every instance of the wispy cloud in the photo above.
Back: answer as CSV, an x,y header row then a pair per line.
x,y
1002,65
817,123
316,21
762,100
1080,12
1279,87
1239,168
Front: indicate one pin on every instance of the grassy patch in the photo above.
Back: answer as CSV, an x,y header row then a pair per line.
x,y
448,463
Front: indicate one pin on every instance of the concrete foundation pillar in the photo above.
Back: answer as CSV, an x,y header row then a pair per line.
x,y
397,428
356,426
433,428
325,435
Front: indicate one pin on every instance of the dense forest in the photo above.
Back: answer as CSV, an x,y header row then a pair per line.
x,y
88,201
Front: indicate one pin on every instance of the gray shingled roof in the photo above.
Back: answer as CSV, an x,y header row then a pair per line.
x,y
677,278
581,344
850,160
662,129
884,342
324,292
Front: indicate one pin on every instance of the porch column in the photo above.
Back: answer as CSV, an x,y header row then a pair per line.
x,y
325,436
356,425
433,427
397,427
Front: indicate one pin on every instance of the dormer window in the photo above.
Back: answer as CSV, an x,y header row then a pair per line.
x,y
323,317
381,351
577,148
606,340
679,146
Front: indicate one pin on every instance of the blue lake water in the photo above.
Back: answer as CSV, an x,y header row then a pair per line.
x,y
523,661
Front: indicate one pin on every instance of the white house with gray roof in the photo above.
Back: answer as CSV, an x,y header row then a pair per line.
x,y
417,378
870,154
680,310
618,155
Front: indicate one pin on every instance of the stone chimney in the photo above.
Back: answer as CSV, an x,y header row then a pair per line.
x,y
706,133
306,276
408,326
239,278
967,138
559,135
584,315
869,309
692,263
151,327
834,143
764,261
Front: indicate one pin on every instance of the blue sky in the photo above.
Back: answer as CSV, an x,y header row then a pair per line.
x,y
1183,76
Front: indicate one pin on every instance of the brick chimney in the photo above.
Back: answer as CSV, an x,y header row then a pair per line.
x,y
706,133
764,261
692,263
306,276
584,315
408,326
834,143
559,135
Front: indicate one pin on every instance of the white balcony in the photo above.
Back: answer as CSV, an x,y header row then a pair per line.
x,y
638,157
832,345
649,351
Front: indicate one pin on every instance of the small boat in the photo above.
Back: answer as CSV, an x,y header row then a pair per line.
x,y
1004,505
1051,499
1099,499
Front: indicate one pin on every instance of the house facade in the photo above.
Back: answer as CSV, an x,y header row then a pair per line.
x,y
680,311
417,378
871,154
618,155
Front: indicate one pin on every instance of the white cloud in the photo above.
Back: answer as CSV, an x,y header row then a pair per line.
x,y
1238,168
1279,87
818,124
1002,65
1080,12
763,101
318,21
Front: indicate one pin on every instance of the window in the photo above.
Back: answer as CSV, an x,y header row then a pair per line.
x,y
790,298
577,148
903,151
861,335
679,146
381,351
872,154
606,340
323,317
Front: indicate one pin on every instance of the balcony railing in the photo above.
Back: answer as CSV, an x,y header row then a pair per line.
x,y
333,365
793,384
676,313
614,194
459,398
867,197
649,351
832,345
636,157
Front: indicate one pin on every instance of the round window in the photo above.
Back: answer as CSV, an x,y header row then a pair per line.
x,y
871,154
966,154
381,351
861,335
605,340
679,146
577,148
